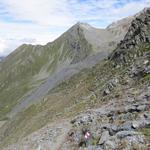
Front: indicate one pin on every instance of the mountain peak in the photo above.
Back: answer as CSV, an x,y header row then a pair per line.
x,y
142,12
83,25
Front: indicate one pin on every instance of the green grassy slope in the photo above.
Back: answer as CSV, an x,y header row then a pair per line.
x,y
28,66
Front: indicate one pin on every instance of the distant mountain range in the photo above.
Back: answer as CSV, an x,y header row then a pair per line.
x,y
1,58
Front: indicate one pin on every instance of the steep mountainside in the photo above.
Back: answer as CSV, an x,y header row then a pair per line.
x,y
110,101
136,37
31,71
29,66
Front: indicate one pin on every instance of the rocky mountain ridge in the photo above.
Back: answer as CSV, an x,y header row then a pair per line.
x,y
139,32
110,100
34,70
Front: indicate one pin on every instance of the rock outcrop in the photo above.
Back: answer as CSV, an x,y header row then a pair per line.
x,y
136,38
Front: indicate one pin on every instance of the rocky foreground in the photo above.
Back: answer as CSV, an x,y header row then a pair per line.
x,y
118,125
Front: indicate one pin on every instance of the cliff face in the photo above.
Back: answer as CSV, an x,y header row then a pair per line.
x,y
139,31
137,37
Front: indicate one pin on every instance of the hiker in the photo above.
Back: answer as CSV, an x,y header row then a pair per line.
x,y
86,135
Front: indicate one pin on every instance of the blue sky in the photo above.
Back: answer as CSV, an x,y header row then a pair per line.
x,y
41,21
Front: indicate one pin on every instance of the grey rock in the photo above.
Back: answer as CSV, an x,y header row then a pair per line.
x,y
135,124
142,123
113,129
106,92
105,137
123,134
126,126
147,115
110,145
138,139
130,108
142,107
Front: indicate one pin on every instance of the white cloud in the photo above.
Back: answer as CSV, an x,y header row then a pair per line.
x,y
14,34
20,31
47,19
8,45
47,12
64,13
